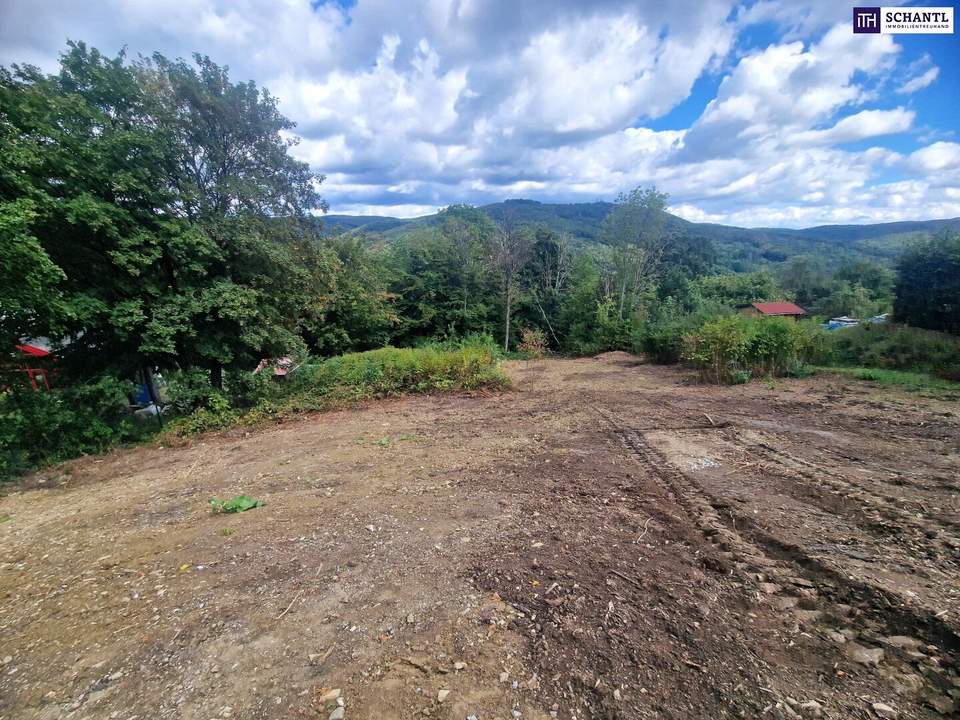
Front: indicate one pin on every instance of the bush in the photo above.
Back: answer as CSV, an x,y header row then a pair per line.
x,y
734,348
188,390
377,373
41,427
894,347
533,342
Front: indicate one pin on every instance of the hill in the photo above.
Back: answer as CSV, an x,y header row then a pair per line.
x,y
738,248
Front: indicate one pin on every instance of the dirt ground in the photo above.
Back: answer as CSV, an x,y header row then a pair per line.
x,y
606,540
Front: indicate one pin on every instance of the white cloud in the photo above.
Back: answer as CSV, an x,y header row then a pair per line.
x,y
920,81
408,107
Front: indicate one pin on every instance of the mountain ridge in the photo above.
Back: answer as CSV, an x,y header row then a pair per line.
x,y
739,248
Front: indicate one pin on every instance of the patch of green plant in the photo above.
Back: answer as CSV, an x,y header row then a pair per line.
x,y
891,346
42,427
239,503
383,442
228,531
338,381
917,382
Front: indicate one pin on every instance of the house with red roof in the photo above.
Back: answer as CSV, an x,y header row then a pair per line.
x,y
772,309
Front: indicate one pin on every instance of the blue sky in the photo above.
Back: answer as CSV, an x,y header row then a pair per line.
x,y
764,113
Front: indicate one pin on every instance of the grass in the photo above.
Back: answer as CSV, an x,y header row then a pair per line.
x,y
345,379
917,382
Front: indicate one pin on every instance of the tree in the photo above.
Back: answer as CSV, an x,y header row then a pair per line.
x,y
927,292
164,198
635,231
510,250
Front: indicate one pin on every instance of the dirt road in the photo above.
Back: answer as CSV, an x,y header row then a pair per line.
x,y
606,540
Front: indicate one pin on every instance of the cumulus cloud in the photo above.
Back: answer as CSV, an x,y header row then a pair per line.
x,y
407,107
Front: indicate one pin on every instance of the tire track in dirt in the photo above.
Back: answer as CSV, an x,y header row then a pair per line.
x,y
900,642
930,526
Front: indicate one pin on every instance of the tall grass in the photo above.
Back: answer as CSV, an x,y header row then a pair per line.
x,y
895,347
324,384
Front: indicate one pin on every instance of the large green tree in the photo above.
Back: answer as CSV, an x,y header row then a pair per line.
x,y
927,292
172,221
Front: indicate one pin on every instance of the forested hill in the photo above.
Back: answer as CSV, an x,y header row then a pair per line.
x,y
738,248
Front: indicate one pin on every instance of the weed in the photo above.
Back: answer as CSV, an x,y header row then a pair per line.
x,y
239,503
227,531
917,382
383,442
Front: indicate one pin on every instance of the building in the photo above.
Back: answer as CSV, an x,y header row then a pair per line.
x,y
772,309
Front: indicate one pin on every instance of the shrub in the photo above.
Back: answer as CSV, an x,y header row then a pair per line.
x,y
40,427
894,347
734,348
188,390
323,384
533,342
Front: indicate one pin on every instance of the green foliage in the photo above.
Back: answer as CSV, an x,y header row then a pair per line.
x,y
895,347
734,348
346,378
910,381
740,288
38,427
928,284
237,504
189,390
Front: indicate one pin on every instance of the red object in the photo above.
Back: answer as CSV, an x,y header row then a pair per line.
x,y
32,350
36,376
779,308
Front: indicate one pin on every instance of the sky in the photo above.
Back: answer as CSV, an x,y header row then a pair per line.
x,y
767,113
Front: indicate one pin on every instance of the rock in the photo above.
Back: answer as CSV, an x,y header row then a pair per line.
x,y
811,708
885,711
337,714
472,717
371,528
864,655
616,695
807,616
769,588
459,665
442,695
504,676
941,703
785,603
410,619
903,642
330,695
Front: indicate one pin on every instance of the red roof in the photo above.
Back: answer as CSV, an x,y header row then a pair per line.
x,y
779,308
32,350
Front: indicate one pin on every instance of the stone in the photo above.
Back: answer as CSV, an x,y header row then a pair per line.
x,y
941,703
330,695
442,695
904,642
811,708
337,714
459,665
504,676
864,655
885,711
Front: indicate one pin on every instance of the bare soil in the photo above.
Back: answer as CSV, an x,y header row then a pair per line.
x,y
606,540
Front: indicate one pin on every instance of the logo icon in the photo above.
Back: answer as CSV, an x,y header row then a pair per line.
x,y
907,20
866,20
